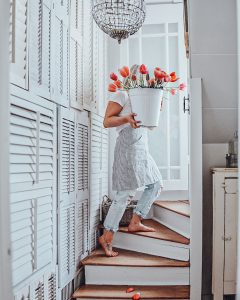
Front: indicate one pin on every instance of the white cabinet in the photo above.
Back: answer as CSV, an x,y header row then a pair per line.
x,y
224,231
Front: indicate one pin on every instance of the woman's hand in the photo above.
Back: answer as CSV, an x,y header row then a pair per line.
x,y
130,119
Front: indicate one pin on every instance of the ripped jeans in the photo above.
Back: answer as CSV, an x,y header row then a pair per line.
x,y
120,202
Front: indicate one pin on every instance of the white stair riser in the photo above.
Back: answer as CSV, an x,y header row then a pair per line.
x,y
123,275
151,246
129,298
173,220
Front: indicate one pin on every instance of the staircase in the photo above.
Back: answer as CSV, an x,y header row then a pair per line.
x,y
156,264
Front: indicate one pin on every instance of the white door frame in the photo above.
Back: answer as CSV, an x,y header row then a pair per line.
x,y
5,255
195,188
238,228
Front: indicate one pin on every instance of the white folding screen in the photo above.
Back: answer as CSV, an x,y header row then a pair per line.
x,y
98,173
58,65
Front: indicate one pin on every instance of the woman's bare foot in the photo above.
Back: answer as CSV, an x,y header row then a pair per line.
x,y
107,247
133,227
136,225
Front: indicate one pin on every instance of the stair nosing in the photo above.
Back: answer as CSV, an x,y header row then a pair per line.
x,y
137,288
173,210
185,264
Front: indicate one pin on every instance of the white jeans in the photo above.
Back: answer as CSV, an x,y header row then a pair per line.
x,y
119,204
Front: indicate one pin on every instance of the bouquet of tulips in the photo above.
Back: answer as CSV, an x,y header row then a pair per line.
x,y
141,79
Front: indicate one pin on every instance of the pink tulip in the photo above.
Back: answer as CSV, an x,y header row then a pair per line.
x,y
182,86
173,92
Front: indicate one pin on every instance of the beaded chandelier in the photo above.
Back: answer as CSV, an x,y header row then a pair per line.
x,y
119,18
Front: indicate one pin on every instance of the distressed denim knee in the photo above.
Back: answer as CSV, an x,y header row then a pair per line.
x,y
149,195
116,211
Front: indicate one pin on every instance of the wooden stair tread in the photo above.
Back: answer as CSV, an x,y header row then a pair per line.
x,y
131,259
119,292
162,232
180,207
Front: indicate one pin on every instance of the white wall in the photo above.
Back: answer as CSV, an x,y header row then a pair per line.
x,y
214,58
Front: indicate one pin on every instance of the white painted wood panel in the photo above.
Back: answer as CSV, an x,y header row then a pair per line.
x,y
87,56
18,43
98,173
32,177
60,75
230,266
66,156
124,275
82,192
40,47
151,246
224,232
76,54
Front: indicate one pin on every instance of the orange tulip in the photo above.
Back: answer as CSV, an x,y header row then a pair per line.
x,y
129,290
159,74
118,83
124,71
136,296
113,76
143,69
112,87
173,77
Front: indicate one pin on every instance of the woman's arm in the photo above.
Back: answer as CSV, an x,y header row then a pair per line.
x,y
112,119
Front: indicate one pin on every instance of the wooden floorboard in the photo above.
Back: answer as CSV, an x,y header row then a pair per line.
x,y
131,259
180,207
162,232
119,292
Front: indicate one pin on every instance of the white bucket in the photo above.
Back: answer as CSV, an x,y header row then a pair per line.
x,y
146,103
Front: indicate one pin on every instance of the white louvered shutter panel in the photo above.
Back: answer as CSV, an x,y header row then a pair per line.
x,y
99,173
38,289
103,74
52,290
67,195
23,293
18,43
100,75
87,56
96,67
67,148
66,251
60,76
40,47
82,199
76,54
32,178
